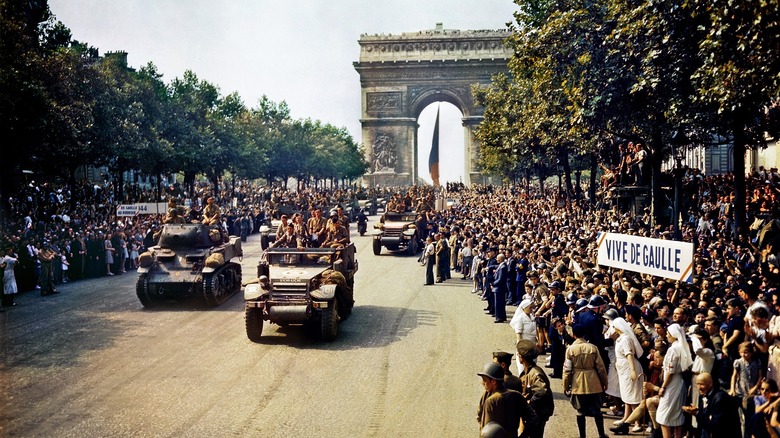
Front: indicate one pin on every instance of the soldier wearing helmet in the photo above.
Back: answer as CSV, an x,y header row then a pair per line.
x,y
505,407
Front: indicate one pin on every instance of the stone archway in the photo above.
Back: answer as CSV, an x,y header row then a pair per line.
x,y
402,74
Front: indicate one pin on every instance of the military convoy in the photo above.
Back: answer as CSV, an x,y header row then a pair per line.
x,y
397,231
189,260
312,287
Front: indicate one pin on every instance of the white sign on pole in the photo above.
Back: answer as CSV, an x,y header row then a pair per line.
x,y
141,208
662,258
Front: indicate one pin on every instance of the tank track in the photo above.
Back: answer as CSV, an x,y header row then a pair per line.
x,y
142,291
221,284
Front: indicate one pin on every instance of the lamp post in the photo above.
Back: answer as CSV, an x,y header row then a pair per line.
x,y
679,142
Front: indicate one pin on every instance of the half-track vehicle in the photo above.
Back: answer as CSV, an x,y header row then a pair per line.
x,y
189,260
311,286
397,231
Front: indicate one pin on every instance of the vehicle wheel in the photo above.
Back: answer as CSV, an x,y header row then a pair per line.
x,y
142,291
377,247
329,323
412,247
345,303
254,323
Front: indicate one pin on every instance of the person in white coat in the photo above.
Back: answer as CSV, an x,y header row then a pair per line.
x,y
524,326
7,263
627,351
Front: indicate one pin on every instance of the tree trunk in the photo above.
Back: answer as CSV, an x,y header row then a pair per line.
x,y
740,206
593,170
656,157
541,179
567,173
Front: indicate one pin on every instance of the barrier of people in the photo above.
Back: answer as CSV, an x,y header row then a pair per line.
x,y
663,258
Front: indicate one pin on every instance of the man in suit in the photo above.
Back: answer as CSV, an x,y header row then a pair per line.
x,y
717,413
500,289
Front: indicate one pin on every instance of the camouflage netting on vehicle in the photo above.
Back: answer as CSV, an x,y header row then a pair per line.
x,y
215,260
334,277
145,259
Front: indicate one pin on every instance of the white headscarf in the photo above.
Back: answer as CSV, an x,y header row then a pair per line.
x,y
626,330
680,345
525,303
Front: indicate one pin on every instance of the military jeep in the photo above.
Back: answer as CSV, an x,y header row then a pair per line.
x,y
396,231
312,287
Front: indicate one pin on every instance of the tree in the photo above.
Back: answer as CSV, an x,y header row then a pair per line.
x,y
740,76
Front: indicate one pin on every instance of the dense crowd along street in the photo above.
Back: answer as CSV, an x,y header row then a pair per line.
x,y
530,257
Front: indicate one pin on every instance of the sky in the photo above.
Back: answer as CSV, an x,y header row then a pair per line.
x,y
300,52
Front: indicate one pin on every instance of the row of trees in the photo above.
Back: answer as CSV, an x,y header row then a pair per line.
x,y
63,106
586,74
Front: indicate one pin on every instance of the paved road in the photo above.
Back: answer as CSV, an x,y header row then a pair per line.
x,y
92,362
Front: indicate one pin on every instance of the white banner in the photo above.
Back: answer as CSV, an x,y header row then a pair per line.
x,y
662,258
141,208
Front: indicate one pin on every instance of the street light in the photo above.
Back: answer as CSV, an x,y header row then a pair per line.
x,y
679,142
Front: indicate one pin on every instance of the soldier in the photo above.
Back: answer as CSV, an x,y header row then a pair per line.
x,y
504,406
46,255
211,214
317,226
535,385
173,217
585,380
343,219
510,380
337,236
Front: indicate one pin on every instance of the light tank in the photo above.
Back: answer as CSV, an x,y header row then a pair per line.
x,y
189,260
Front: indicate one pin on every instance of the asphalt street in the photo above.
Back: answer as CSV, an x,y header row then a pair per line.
x,y
92,362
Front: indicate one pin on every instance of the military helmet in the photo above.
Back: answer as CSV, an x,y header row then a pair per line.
x,y
611,314
571,299
493,430
596,301
581,304
493,371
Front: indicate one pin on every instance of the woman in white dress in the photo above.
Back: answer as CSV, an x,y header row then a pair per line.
x,y
613,382
672,393
9,280
523,325
627,349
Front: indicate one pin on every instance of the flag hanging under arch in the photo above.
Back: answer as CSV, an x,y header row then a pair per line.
x,y
433,158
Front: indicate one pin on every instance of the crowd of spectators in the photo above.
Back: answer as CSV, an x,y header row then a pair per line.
x,y
78,223
730,312
547,243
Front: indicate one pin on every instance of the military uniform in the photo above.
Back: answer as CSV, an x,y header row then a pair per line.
x,y
211,214
507,407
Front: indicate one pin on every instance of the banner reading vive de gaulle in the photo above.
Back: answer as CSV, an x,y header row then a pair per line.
x,y
662,258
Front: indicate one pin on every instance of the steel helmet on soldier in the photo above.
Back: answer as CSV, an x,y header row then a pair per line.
x,y
596,301
611,314
493,371
571,299
581,304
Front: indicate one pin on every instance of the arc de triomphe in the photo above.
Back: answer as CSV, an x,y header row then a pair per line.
x,y
402,74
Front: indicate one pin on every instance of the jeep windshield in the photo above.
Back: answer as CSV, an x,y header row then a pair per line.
x,y
282,257
400,217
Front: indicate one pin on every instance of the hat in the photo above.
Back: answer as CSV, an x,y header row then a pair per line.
x,y
493,371
595,302
533,274
598,276
527,349
611,314
525,303
557,285
502,357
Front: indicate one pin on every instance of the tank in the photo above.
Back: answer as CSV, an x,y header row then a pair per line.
x,y
189,260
